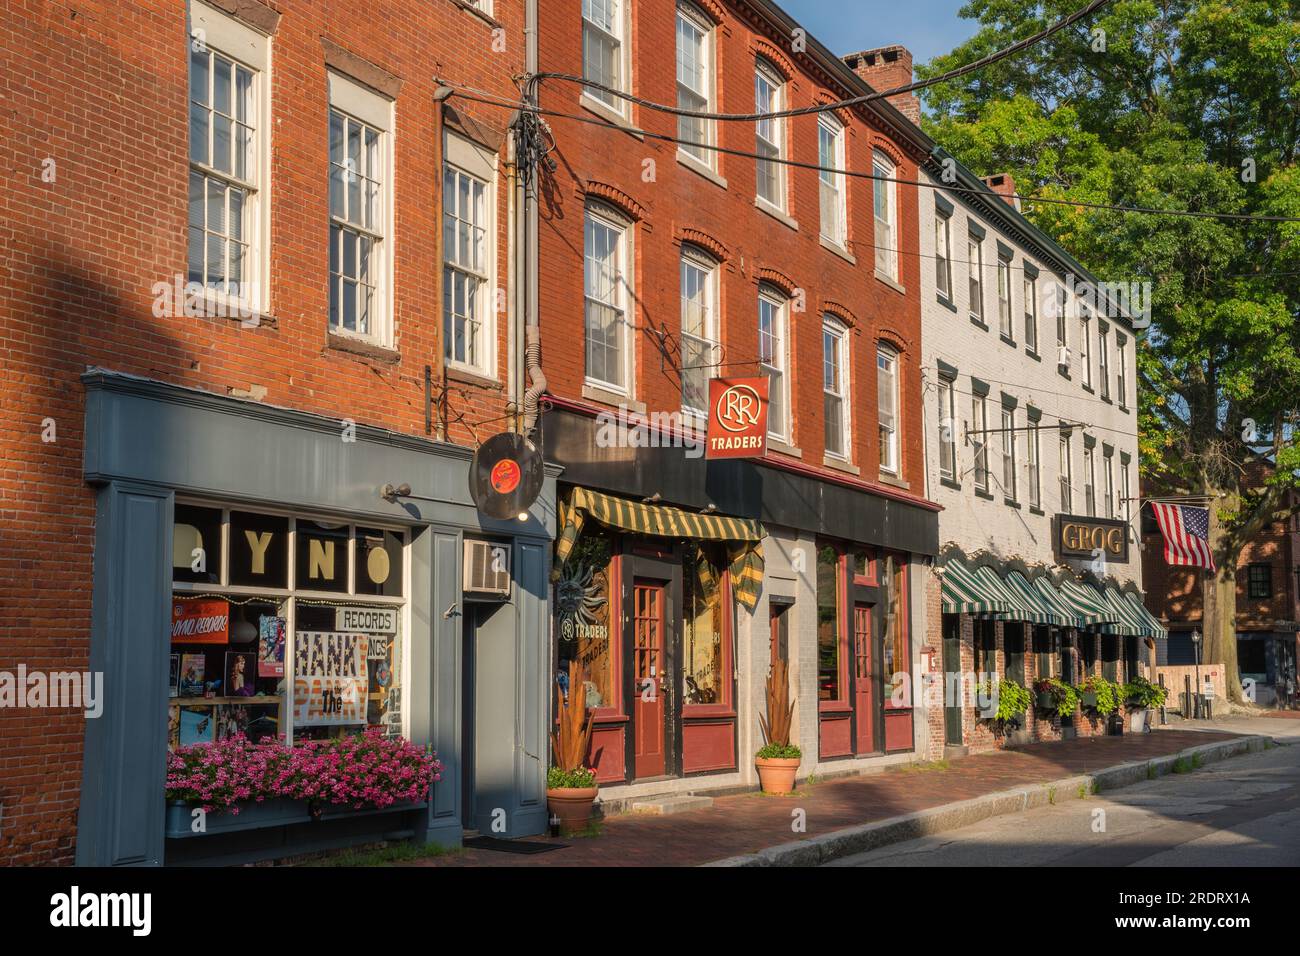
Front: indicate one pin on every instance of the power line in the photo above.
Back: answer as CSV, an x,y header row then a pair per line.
x,y
841,104
855,174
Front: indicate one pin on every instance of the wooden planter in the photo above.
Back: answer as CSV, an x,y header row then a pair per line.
x,y
1045,700
268,813
776,774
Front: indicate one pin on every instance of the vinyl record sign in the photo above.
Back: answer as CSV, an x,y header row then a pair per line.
x,y
506,475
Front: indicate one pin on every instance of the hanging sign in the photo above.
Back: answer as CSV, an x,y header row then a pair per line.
x,y
737,418
1079,536
506,475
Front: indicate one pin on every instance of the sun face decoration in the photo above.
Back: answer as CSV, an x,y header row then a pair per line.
x,y
578,597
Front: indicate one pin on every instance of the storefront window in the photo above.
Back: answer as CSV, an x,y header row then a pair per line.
x,y
897,656
582,616
251,654
703,675
828,624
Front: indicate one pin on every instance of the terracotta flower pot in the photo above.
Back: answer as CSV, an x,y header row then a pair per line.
x,y
776,774
572,805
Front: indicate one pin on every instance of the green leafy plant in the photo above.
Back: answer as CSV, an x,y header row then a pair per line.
x,y
1107,692
1013,700
579,778
1064,697
779,752
1142,694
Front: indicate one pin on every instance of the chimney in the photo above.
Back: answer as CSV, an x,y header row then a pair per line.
x,y
888,68
1004,186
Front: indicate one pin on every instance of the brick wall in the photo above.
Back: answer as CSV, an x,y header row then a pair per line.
x,y
671,204
100,89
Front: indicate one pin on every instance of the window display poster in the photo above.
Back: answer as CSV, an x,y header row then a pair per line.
x,y
202,621
174,677
240,668
197,726
192,666
270,646
330,681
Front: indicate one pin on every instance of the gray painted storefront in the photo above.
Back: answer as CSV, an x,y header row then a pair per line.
x,y
147,442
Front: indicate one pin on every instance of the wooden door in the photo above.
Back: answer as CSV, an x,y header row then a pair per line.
x,y
649,680
863,690
952,692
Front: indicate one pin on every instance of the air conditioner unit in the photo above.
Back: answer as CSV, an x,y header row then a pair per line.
x,y
487,567
1063,356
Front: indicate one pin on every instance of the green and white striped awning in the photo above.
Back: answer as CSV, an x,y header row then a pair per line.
x,y
743,536
1154,628
1035,607
1052,595
970,591
1090,608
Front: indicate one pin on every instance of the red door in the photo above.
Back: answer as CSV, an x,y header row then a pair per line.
x,y
863,697
649,679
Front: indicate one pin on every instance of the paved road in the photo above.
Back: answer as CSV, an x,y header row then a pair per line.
x,y
1244,811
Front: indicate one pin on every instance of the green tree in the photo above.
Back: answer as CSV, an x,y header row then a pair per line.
x,y
1185,104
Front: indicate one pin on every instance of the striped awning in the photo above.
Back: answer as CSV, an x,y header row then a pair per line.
x,y
1052,595
1137,620
1089,607
1035,607
743,536
968,591
1155,628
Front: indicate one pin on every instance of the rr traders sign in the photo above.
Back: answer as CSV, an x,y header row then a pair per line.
x,y
737,418
1078,536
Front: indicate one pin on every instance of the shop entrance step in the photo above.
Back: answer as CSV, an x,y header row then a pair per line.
x,y
675,803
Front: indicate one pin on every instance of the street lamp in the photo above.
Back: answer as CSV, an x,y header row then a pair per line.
x,y
1196,691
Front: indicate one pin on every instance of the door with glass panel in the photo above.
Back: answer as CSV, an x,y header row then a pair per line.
x,y
649,602
863,680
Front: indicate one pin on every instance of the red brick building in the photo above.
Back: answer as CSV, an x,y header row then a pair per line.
x,y
289,158
1268,604
713,247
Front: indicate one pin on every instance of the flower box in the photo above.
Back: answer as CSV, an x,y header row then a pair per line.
x,y
1088,700
269,813
1046,700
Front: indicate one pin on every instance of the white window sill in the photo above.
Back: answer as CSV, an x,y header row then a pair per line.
x,y
839,250
840,464
468,373
892,283
778,214
702,169
777,445
607,396
888,478
482,15
218,305
608,113
361,345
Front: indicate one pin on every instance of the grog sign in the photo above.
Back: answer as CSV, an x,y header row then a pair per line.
x,y
1078,536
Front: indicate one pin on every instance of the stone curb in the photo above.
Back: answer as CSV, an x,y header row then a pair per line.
x,y
870,836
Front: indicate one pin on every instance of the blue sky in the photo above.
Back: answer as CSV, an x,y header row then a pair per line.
x,y
926,27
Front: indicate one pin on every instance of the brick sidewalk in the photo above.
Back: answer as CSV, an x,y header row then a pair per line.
x,y
748,822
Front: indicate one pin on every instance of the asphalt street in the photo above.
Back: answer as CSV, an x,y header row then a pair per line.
x,y
1244,811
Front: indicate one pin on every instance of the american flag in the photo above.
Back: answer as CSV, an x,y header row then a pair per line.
x,y
1187,534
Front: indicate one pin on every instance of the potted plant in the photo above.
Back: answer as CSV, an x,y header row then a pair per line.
x,y
570,783
1053,695
1013,700
778,759
1099,695
1143,697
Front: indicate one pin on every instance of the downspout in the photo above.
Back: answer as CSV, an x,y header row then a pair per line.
x,y
529,168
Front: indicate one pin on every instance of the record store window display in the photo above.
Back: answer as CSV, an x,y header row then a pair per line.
x,y
284,626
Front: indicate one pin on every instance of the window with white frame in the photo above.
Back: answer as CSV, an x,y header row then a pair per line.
x,y
830,157
885,192
975,260
1066,474
1033,453
1089,479
769,97
227,236
1009,452
482,6
603,54
699,350
1031,313
1103,359
887,403
772,316
608,299
1108,481
979,439
695,82
468,255
1004,295
1121,370
1085,330
360,124
1062,339
1126,500
835,386
943,254
947,428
